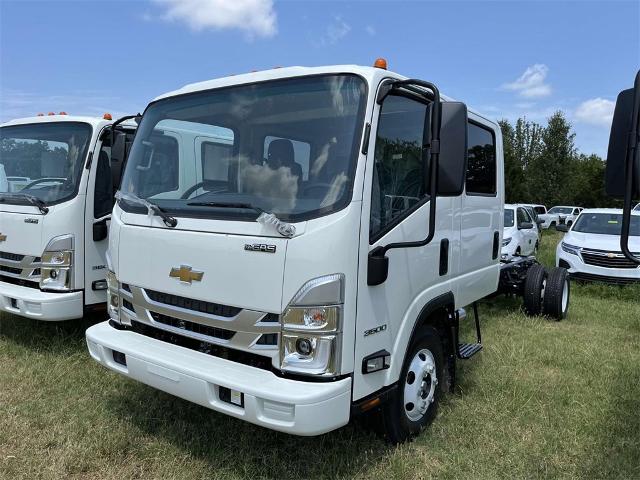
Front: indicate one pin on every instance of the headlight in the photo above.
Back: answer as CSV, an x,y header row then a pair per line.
x,y
572,249
311,328
506,241
113,296
57,265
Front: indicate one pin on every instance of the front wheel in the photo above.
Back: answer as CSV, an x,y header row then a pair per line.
x,y
414,403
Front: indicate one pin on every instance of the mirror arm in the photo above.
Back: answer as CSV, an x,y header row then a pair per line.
x,y
119,121
633,162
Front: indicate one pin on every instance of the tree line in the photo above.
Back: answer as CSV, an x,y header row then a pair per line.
x,y
542,165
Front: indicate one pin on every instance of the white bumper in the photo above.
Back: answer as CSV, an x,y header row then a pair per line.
x,y
291,406
32,303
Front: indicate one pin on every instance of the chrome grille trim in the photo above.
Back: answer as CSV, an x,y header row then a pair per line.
x,y
26,268
607,259
247,325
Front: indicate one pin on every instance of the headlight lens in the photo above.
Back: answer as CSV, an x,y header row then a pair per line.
x,y
572,249
311,334
113,296
57,270
506,241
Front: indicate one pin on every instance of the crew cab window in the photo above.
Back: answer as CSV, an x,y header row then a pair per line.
x,y
159,170
481,168
398,167
540,210
301,153
103,192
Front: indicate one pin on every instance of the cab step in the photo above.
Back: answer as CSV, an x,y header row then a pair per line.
x,y
468,350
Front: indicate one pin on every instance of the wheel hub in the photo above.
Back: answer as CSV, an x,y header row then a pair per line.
x,y
420,385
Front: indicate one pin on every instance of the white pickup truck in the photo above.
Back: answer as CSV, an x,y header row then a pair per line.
x,y
561,215
57,174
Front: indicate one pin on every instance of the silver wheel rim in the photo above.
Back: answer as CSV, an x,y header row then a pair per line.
x,y
420,385
565,296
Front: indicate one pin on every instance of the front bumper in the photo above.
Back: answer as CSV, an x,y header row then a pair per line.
x,y
32,303
291,406
583,271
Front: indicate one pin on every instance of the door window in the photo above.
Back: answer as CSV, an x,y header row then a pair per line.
x,y
481,168
103,192
398,170
523,216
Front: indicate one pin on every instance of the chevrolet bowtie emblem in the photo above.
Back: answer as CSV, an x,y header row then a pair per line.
x,y
186,274
2,237
611,255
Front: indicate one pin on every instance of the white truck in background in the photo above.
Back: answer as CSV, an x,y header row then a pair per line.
x,y
313,261
57,174
561,215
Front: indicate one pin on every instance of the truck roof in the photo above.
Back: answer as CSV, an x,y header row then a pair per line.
x,y
373,75
93,121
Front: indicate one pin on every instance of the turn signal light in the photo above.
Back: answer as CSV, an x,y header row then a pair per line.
x,y
107,116
380,63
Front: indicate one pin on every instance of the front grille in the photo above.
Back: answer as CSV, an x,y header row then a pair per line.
x,y
268,339
588,277
20,282
13,270
602,258
14,257
246,358
195,305
193,327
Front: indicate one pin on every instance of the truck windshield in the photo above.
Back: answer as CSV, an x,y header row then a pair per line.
x,y
284,146
42,160
562,210
605,224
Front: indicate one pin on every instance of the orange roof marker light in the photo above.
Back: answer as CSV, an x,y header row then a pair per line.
x,y
62,113
41,115
380,63
107,116
52,113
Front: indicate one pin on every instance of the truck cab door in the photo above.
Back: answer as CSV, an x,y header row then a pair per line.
x,y
395,208
98,208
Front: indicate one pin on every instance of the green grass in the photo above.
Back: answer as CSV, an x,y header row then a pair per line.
x,y
544,399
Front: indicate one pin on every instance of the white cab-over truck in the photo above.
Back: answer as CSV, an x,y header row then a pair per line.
x,y
56,194
305,254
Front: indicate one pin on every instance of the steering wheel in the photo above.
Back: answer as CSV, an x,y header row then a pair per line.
x,y
189,191
44,180
316,186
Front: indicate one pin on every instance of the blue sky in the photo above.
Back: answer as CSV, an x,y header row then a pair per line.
x,y
505,59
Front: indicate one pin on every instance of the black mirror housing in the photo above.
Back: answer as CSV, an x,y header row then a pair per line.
x,y
525,226
620,145
452,165
100,231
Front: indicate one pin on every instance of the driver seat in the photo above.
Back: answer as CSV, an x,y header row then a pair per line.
x,y
280,154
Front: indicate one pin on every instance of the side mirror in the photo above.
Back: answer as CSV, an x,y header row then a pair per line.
x,y
525,226
562,228
539,221
452,165
100,231
119,151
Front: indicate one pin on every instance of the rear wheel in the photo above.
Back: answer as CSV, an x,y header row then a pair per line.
x,y
557,294
534,290
414,403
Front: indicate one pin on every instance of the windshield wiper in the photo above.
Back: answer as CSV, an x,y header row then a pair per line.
x,y
152,208
33,200
246,206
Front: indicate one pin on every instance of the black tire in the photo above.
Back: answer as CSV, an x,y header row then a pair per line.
x,y
534,287
552,225
398,425
569,223
557,293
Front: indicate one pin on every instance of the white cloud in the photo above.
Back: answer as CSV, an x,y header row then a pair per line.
x,y
531,84
371,30
254,17
596,111
335,32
